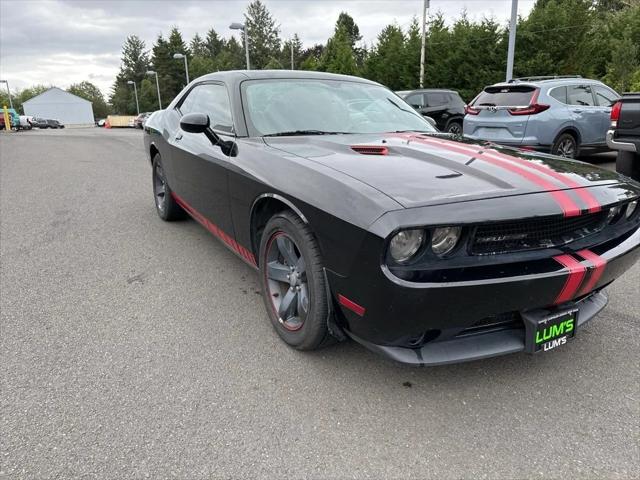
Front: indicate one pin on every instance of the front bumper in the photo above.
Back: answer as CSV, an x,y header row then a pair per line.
x,y
616,144
487,344
444,322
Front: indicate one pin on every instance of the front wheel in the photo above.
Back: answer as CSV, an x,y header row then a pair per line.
x,y
166,206
293,283
455,128
565,146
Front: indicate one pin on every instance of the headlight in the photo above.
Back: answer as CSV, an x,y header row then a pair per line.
x,y
631,208
444,239
613,214
405,244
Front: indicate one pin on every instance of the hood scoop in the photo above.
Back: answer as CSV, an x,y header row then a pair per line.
x,y
370,149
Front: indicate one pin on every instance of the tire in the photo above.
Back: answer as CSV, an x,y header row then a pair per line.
x,y
566,146
454,128
628,163
286,241
167,208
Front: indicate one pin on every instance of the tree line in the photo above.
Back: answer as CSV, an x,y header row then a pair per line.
x,y
593,38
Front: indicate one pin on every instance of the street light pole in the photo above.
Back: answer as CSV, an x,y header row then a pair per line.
x,y
243,27
292,66
423,50
135,91
152,72
9,92
512,39
178,56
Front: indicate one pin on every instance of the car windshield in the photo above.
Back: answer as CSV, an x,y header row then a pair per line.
x,y
315,107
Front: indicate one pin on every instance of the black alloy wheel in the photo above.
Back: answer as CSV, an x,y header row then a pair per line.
x,y
293,282
166,206
565,146
287,281
454,128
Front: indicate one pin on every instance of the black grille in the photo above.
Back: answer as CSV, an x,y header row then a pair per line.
x,y
533,234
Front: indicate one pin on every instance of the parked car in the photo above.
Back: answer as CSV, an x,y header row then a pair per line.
x,y
446,107
100,122
624,134
140,119
39,122
54,124
25,122
365,222
561,115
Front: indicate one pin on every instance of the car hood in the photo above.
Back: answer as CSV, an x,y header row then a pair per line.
x,y
418,169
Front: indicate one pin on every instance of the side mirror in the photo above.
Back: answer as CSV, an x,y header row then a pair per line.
x,y
194,123
431,121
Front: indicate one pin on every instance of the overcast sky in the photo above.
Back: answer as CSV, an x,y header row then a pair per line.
x,y
61,42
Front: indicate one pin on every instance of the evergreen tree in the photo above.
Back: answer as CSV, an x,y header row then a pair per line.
x,y
264,40
346,22
338,56
171,74
310,57
549,41
213,44
285,55
411,72
148,95
624,64
198,46
134,64
388,62
231,57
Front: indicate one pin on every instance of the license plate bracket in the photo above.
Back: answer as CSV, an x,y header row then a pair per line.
x,y
548,329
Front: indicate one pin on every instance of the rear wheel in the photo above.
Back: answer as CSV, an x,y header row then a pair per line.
x,y
293,283
166,206
565,146
628,163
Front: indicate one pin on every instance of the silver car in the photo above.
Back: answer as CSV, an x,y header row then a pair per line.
x,y
561,115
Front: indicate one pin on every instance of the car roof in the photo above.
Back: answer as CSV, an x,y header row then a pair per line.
x,y
427,90
241,75
546,82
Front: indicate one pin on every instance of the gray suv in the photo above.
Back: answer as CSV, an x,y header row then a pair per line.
x,y
561,115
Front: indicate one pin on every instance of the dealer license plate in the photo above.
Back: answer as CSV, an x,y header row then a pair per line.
x,y
548,330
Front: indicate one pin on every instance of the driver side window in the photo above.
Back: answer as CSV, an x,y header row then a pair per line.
x,y
213,100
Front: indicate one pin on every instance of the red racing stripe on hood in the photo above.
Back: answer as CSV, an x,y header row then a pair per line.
x,y
585,195
568,206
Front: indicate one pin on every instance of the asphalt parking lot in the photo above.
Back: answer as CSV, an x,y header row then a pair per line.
x,y
133,348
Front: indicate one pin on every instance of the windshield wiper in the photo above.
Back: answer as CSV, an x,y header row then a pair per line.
x,y
303,132
414,131
399,107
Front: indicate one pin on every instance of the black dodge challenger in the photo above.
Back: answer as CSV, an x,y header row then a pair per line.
x,y
365,222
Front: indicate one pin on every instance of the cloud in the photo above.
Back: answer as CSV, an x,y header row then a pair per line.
x,y
61,42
